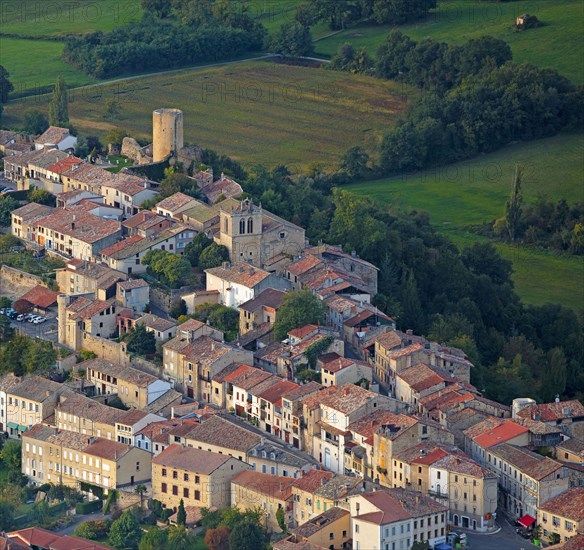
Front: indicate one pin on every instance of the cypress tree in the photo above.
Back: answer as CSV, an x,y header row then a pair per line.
x,y
58,108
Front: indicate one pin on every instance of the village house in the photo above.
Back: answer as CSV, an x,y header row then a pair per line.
x,y
205,217
413,383
41,171
76,234
250,490
331,529
172,206
303,494
163,329
16,167
86,177
82,315
154,437
370,320
190,364
127,255
145,223
131,422
396,518
571,450
31,401
568,415
77,413
221,188
391,358
266,406
63,457
241,282
490,432
238,383
134,387
133,294
14,142
396,435
336,370
329,413
198,478
127,192
527,480
83,277
6,382
260,311
24,220
55,137
70,198
563,515
291,420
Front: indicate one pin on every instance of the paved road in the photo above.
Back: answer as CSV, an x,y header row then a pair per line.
x,y
506,539
80,519
46,330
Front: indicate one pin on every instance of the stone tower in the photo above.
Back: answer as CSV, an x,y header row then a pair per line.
x,y
241,232
167,133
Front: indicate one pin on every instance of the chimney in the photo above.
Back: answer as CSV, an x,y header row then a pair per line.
x,y
222,176
346,391
410,332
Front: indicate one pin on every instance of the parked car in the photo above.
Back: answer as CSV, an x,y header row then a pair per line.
x,y
5,191
8,311
39,320
2,311
32,318
20,318
29,317
13,315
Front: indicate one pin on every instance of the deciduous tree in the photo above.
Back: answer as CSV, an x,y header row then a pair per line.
x,y
299,308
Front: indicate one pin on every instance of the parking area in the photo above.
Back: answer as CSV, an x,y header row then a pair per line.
x,y
46,330
505,539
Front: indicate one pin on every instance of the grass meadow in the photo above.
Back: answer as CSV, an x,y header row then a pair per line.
x,y
472,192
558,44
256,112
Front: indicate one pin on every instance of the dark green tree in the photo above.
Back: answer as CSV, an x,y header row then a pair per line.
x,y
7,511
141,341
281,518
300,307
292,40
35,122
179,538
355,162
41,196
59,105
513,207
153,539
195,247
7,205
5,85
158,8
401,11
247,536
213,256
412,312
125,532
6,330
181,515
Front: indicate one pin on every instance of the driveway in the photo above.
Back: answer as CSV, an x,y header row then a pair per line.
x,y
80,519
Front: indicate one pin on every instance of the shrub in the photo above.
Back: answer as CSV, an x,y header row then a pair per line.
x,y
88,507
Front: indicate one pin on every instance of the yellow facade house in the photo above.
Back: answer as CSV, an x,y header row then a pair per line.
x,y
200,478
250,490
331,529
57,456
563,515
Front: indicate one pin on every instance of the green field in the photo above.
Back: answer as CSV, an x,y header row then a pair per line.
x,y
558,44
37,63
256,112
31,18
475,191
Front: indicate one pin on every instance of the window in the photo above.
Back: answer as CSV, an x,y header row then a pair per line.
x,y
197,479
175,490
197,495
175,475
356,527
185,493
331,536
250,225
163,488
344,534
186,477
241,227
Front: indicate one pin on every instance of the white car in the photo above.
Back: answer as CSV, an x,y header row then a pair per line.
x,y
39,320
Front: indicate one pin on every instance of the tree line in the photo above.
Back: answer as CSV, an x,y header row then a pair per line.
x,y
157,44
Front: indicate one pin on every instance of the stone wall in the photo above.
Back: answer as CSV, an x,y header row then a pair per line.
x,y
15,277
134,151
160,299
147,366
106,349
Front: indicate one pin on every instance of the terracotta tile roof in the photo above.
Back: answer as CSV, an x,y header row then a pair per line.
x,y
276,487
340,303
86,308
304,264
64,164
205,350
246,377
368,425
395,426
216,430
275,393
421,377
128,374
406,351
573,445
9,380
174,202
139,218
506,431
320,522
224,186
345,398
36,389
460,464
35,536
74,193
129,418
574,543
302,391
13,544
84,407
53,135
32,211
83,226
338,364
222,375
193,460
127,184
110,450
294,543
550,412
398,505
66,542
41,296
529,463
133,283
89,174
156,323
191,324
240,273
267,298
48,158
312,480
114,249
302,332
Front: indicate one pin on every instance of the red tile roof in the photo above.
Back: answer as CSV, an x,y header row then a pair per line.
x,y
241,273
550,412
40,296
110,250
174,202
504,432
187,458
304,264
277,391
53,135
312,480
302,332
64,165
277,487
35,536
